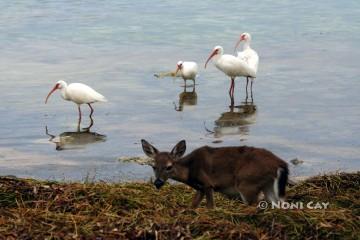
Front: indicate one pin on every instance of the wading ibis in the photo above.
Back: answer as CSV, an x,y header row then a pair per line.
x,y
78,93
248,55
188,70
230,65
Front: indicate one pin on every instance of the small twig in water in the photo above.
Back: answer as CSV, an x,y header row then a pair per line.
x,y
208,130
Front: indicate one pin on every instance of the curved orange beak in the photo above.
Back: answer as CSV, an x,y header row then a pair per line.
x,y
238,42
53,90
211,55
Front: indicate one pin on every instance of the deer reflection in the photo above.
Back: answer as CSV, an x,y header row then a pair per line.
x,y
186,98
75,140
237,121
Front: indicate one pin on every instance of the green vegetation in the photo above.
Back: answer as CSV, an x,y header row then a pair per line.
x,y
31,209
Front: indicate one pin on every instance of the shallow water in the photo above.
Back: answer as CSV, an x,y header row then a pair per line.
x,y
306,96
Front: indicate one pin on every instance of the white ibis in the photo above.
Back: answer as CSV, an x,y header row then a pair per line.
x,y
188,70
230,65
78,93
249,55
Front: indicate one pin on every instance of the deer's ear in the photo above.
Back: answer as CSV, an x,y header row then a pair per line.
x,y
149,149
179,149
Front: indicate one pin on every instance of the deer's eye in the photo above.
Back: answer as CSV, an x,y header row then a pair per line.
x,y
153,167
168,168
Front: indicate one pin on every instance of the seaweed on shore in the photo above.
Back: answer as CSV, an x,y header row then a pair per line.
x,y
31,209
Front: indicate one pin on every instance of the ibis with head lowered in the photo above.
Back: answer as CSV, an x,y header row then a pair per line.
x,y
78,93
188,70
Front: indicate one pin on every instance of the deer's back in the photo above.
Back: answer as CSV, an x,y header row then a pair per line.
x,y
247,161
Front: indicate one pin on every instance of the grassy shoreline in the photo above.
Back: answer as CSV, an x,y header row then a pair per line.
x,y
31,209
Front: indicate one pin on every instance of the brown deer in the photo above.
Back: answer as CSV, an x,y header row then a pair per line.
x,y
237,172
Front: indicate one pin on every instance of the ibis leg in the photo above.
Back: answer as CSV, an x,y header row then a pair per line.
x,y
91,124
79,121
251,89
91,119
247,82
231,91
79,113
230,88
233,88
232,102
92,110
79,109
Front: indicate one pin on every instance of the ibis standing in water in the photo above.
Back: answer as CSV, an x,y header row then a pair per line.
x,y
230,65
188,70
78,93
248,55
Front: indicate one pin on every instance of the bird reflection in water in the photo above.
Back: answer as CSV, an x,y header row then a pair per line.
x,y
186,98
75,140
237,121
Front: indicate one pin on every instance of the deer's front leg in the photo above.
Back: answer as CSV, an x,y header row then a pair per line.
x,y
208,189
209,198
199,195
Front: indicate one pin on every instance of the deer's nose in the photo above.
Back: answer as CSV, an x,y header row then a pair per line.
x,y
158,183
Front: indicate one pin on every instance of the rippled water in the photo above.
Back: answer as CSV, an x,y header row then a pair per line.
x,y
306,97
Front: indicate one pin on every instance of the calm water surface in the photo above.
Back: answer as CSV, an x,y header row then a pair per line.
x,y
306,98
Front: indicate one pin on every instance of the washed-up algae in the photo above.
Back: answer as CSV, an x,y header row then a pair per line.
x,y
31,209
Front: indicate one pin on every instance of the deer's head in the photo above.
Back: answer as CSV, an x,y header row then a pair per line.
x,y
164,162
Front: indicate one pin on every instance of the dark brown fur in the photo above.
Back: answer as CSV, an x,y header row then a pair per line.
x,y
238,172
